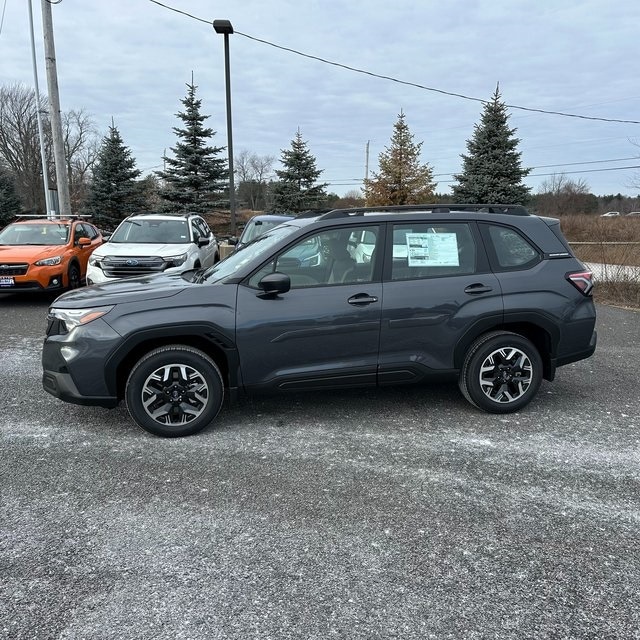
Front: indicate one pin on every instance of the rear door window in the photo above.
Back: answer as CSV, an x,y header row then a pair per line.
x,y
432,250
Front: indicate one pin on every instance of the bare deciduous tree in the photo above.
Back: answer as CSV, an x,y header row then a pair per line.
x,y
253,173
560,195
19,143
20,146
81,148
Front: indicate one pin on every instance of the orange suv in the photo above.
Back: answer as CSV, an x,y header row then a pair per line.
x,y
42,254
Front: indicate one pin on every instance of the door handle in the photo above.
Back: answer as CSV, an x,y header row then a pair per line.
x,y
478,288
362,299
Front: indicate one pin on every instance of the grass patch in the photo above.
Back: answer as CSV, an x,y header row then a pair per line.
x,y
609,244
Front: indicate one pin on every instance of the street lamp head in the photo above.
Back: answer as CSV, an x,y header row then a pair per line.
x,y
223,26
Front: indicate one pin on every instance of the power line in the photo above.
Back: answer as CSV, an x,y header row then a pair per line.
x,y
352,181
398,81
572,164
542,175
4,8
184,13
424,87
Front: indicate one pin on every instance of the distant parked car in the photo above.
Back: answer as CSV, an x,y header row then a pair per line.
x,y
39,254
610,214
257,226
150,243
633,213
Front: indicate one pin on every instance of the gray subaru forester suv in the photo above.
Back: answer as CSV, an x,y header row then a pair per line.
x,y
487,294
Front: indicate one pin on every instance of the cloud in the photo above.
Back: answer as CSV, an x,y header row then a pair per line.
x,y
131,60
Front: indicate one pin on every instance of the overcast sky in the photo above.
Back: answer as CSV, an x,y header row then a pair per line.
x,y
131,60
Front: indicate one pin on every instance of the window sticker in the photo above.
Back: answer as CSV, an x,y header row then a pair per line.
x,y
432,250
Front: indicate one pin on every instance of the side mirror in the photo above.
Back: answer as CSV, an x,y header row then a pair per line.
x,y
232,240
105,238
273,284
203,242
84,242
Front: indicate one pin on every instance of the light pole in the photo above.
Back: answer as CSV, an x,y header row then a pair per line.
x,y
224,27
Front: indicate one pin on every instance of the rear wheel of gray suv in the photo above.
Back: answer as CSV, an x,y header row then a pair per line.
x,y
501,373
174,391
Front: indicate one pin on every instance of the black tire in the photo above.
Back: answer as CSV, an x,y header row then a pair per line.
x,y
174,391
73,276
502,372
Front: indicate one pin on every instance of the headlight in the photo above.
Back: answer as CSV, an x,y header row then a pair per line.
x,y
49,262
75,317
94,260
176,261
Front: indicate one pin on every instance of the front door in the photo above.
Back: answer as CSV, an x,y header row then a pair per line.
x,y
322,333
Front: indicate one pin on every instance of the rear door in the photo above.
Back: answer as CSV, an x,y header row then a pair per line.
x,y
437,288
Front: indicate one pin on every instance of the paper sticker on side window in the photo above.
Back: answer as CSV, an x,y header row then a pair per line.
x,y
432,250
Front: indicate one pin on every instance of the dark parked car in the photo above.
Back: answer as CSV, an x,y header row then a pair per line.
x,y
258,225
486,294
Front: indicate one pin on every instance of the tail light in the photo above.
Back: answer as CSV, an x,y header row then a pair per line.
x,y
581,280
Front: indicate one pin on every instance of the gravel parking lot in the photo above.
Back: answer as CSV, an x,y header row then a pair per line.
x,y
399,513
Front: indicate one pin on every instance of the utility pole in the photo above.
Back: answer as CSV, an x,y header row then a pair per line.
x,y
54,115
43,156
366,162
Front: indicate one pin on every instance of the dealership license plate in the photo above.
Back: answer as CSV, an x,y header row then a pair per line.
x,y
6,281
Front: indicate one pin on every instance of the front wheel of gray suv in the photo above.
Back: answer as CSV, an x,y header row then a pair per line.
x,y
174,391
502,372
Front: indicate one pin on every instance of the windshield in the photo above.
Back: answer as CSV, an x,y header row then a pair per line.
x,y
35,233
249,253
149,231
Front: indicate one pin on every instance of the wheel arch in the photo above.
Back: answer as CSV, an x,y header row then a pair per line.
x,y
541,332
120,363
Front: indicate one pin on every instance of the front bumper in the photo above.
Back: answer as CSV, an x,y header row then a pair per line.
x,y
62,386
73,364
22,284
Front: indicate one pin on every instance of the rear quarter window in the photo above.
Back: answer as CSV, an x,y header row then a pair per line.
x,y
512,250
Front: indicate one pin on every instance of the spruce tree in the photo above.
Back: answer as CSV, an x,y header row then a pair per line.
x,y
9,201
492,170
195,178
296,189
114,192
402,179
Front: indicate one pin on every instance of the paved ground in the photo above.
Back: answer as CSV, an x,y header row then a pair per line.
x,y
401,513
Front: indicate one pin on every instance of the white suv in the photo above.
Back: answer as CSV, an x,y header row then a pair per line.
x,y
144,244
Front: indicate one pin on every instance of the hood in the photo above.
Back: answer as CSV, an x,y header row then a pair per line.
x,y
135,250
126,290
29,252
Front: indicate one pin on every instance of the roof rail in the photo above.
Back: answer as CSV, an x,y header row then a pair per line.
x,y
72,216
510,209
313,213
177,214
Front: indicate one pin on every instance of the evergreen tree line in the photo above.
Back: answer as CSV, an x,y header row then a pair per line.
x,y
195,176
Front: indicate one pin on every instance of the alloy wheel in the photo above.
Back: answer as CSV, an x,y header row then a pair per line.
x,y
175,394
506,374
